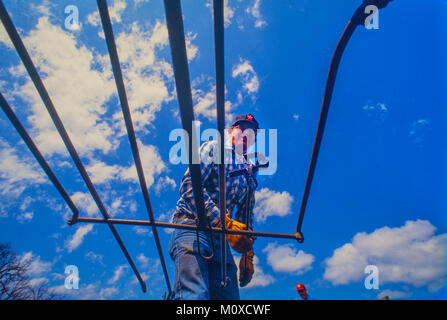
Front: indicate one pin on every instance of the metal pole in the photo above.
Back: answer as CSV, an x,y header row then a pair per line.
x,y
176,33
218,13
191,227
110,39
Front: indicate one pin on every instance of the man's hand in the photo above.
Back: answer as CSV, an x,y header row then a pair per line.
x,y
246,268
239,243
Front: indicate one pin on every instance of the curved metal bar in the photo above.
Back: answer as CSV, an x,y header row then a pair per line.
x,y
357,19
211,240
113,53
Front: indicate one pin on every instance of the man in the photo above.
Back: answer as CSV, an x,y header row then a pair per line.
x,y
197,278
302,291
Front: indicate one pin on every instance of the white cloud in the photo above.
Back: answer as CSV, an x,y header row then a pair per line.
x,y
17,171
411,254
85,202
4,38
36,266
245,71
420,130
228,11
146,77
191,49
78,91
100,172
163,184
42,9
77,239
85,292
91,256
138,2
143,260
34,282
271,203
286,258
255,11
205,103
108,292
151,162
118,273
80,83
115,12
378,112
139,230
260,278
25,217
204,99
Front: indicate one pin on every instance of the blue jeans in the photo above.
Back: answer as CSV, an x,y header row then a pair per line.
x,y
195,277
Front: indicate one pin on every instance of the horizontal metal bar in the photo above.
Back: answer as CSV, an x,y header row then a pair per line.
x,y
296,236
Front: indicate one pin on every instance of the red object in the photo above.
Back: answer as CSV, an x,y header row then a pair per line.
x,y
249,117
300,287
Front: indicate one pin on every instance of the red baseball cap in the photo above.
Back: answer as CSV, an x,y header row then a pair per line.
x,y
248,118
300,287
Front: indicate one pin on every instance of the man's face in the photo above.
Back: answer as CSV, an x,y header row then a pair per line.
x,y
303,294
242,136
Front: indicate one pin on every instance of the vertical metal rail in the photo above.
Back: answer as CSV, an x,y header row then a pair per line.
x,y
35,151
114,59
26,59
176,33
218,14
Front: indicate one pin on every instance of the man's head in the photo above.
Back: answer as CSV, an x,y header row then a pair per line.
x,y
243,132
301,288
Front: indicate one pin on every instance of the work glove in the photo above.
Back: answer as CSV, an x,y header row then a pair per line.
x,y
246,268
239,243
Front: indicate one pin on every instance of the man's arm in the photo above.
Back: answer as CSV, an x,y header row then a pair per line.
x,y
207,166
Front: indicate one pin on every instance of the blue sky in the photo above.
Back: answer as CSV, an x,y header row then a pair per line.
x,y
379,191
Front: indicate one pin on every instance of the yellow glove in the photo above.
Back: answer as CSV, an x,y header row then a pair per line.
x,y
246,268
239,243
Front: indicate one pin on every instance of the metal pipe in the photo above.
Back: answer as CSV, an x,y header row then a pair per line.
x,y
218,14
357,19
174,21
113,53
190,227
